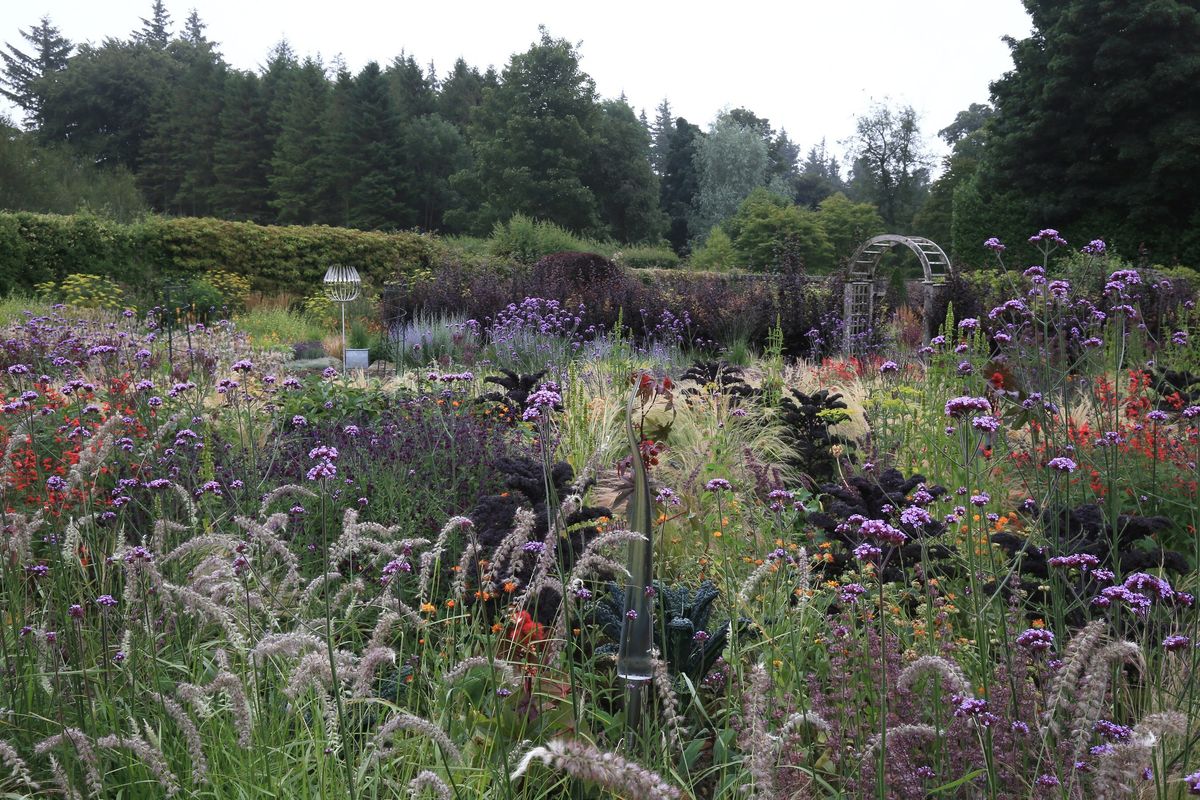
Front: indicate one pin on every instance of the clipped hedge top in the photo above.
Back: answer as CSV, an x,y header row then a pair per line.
x,y
43,247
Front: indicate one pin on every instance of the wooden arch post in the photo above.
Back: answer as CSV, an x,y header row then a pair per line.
x,y
861,293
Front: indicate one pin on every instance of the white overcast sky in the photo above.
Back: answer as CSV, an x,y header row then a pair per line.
x,y
809,67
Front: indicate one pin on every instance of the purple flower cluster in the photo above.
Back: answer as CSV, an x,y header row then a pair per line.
x,y
962,406
972,708
1049,235
324,468
1080,561
542,402
1139,593
1036,640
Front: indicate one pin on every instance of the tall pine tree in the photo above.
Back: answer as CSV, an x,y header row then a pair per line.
x,y
25,75
296,180
1097,126
242,151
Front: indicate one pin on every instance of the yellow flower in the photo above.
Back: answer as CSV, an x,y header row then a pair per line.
x,y
428,608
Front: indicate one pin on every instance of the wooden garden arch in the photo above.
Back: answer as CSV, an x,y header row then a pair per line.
x,y
862,290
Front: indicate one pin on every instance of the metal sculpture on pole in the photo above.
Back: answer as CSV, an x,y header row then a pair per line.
x,y
342,285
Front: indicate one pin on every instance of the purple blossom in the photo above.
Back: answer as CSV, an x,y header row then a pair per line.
x,y
1036,640
888,367
323,469
1047,235
851,592
325,452
865,552
718,484
961,406
994,245
1062,464
1081,561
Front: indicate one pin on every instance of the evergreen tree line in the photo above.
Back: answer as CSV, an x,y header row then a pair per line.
x,y
396,146
1095,130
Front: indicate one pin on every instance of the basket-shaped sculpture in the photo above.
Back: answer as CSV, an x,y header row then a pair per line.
x,y
342,283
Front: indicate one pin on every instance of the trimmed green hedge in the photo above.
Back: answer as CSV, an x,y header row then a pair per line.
x,y
35,248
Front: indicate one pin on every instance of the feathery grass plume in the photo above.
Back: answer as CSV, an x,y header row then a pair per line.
x,y
478,662
17,540
430,558
509,551
470,557
593,562
287,490
586,763
16,765
83,749
64,783
191,736
1078,654
895,733
316,584
269,534
314,669
92,457
803,578
953,678
73,537
201,606
364,674
1093,687
351,590
224,682
162,527
206,544
415,724
750,585
397,606
358,536
544,566
329,718
383,628
755,740
285,644
664,687
810,718
1118,771
150,756
19,435
427,781
48,656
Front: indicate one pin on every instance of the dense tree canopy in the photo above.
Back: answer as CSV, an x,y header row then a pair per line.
x,y
1097,126
1095,130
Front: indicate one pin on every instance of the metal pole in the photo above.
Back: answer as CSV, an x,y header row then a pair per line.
x,y
343,306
